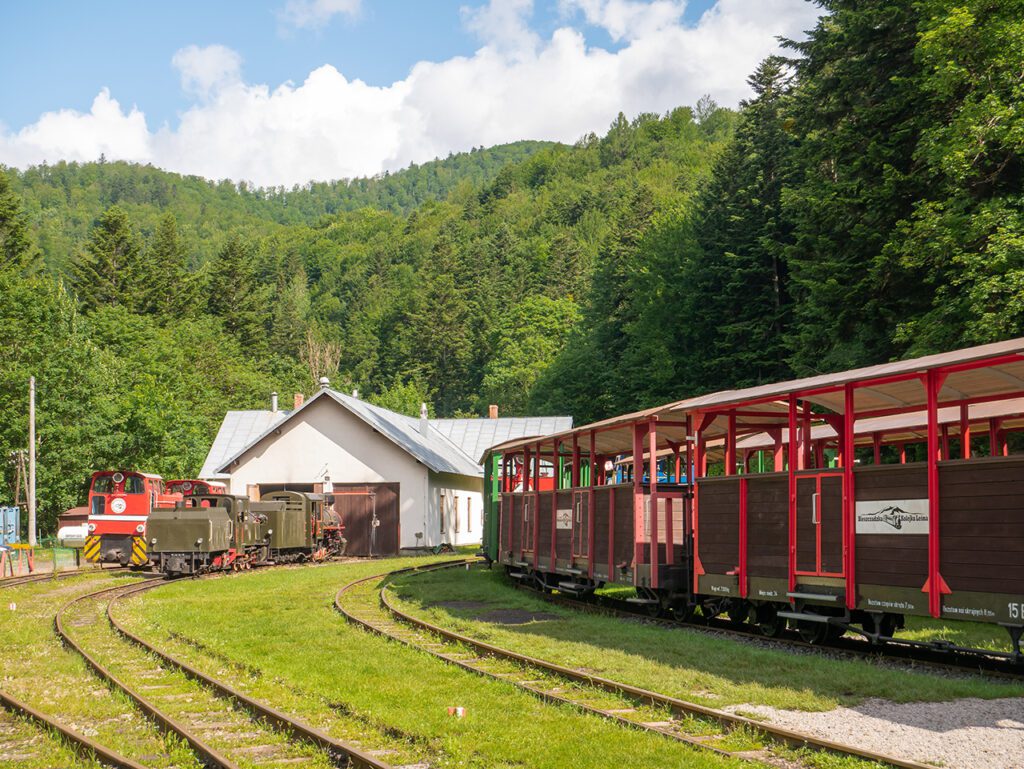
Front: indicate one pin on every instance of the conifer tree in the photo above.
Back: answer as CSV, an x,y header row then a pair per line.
x,y
110,271
235,295
858,113
16,252
173,291
739,313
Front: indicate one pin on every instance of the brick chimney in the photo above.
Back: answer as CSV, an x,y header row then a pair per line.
x,y
299,397
492,411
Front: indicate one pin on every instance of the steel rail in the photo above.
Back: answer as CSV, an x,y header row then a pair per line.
x,y
542,694
81,744
675,705
209,754
26,579
260,709
995,665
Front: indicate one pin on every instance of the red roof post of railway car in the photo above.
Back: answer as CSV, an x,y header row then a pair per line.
x,y
849,497
652,463
699,468
555,457
965,431
793,454
639,428
688,498
778,455
575,460
591,501
535,513
935,586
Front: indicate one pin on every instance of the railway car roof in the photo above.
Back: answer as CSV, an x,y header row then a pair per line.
x,y
990,370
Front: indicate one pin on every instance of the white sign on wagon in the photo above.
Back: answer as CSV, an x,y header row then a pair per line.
x,y
893,516
563,519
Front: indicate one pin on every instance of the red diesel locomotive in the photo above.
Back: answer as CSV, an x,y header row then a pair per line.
x,y
119,504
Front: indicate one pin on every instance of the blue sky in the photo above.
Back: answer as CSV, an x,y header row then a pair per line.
x,y
63,52
264,90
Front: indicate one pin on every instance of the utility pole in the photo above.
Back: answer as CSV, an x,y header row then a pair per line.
x,y
32,461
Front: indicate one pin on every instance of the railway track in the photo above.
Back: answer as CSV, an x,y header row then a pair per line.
x,y
704,727
223,726
30,735
27,579
949,658
23,744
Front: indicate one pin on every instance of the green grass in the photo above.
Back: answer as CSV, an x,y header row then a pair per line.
x,y
976,635
36,669
684,663
281,627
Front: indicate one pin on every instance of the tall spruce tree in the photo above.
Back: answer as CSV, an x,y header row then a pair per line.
x,y
236,296
16,251
173,291
859,114
111,270
737,284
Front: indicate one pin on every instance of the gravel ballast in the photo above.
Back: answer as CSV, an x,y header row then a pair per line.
x,y
960,734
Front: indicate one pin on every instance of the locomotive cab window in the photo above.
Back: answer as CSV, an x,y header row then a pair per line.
x,y
134,485
103,485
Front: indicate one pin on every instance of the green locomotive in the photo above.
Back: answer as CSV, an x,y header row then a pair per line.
x,y
217,532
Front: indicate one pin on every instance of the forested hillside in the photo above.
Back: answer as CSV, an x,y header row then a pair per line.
x,y
864,203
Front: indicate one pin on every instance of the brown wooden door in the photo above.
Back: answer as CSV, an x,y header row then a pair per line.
x,y
819,524
527,522
580,524
370,514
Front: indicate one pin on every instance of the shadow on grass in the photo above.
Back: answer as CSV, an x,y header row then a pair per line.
x,y
684,662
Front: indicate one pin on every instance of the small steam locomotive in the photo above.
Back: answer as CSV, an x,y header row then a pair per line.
x,y
218,532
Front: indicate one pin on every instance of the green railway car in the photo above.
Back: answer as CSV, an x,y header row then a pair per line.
x,y
492,505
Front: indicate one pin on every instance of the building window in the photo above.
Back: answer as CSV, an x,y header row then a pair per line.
x,y
469,514
456,511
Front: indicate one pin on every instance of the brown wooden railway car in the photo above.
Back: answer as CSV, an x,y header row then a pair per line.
x,y
840,501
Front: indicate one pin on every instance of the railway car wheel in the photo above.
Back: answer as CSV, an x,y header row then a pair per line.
x,y
739,612
885,625
812,632
683,611
769,622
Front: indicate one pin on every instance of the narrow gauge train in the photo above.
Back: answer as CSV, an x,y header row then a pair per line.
x,y
215,532
120,502
185,486
838,502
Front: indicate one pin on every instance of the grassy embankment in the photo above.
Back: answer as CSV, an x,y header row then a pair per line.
x,y
36,669
280,628
684,663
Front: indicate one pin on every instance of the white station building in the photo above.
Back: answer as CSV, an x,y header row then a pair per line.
x,y
398,481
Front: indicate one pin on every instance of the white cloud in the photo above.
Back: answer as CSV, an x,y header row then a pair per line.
x,y
503,24
205,70
516,86
71,135
628,19
310,14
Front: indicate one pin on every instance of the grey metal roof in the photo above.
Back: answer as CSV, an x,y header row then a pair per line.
x,y
475,436
449,445
432,449
238,430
